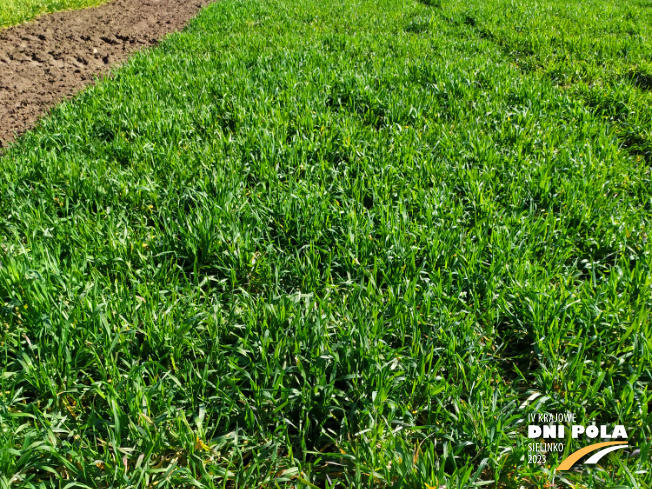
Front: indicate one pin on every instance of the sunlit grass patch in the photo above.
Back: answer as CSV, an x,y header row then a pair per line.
x,y
16,11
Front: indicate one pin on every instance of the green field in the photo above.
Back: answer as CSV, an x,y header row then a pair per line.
x,y
16,11
336,243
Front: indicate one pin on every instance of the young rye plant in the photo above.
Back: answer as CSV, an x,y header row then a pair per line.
x,y
334,244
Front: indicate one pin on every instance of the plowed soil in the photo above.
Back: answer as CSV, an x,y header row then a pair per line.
x,y
44,61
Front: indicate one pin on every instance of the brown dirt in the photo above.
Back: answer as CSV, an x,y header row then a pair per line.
x,y
49,59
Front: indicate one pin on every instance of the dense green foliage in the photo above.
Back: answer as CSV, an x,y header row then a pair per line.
x,y
16,11
335,244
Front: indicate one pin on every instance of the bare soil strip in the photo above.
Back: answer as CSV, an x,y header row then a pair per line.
x,y
46,60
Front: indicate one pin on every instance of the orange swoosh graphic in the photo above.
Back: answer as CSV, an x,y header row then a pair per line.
x,y
575,456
